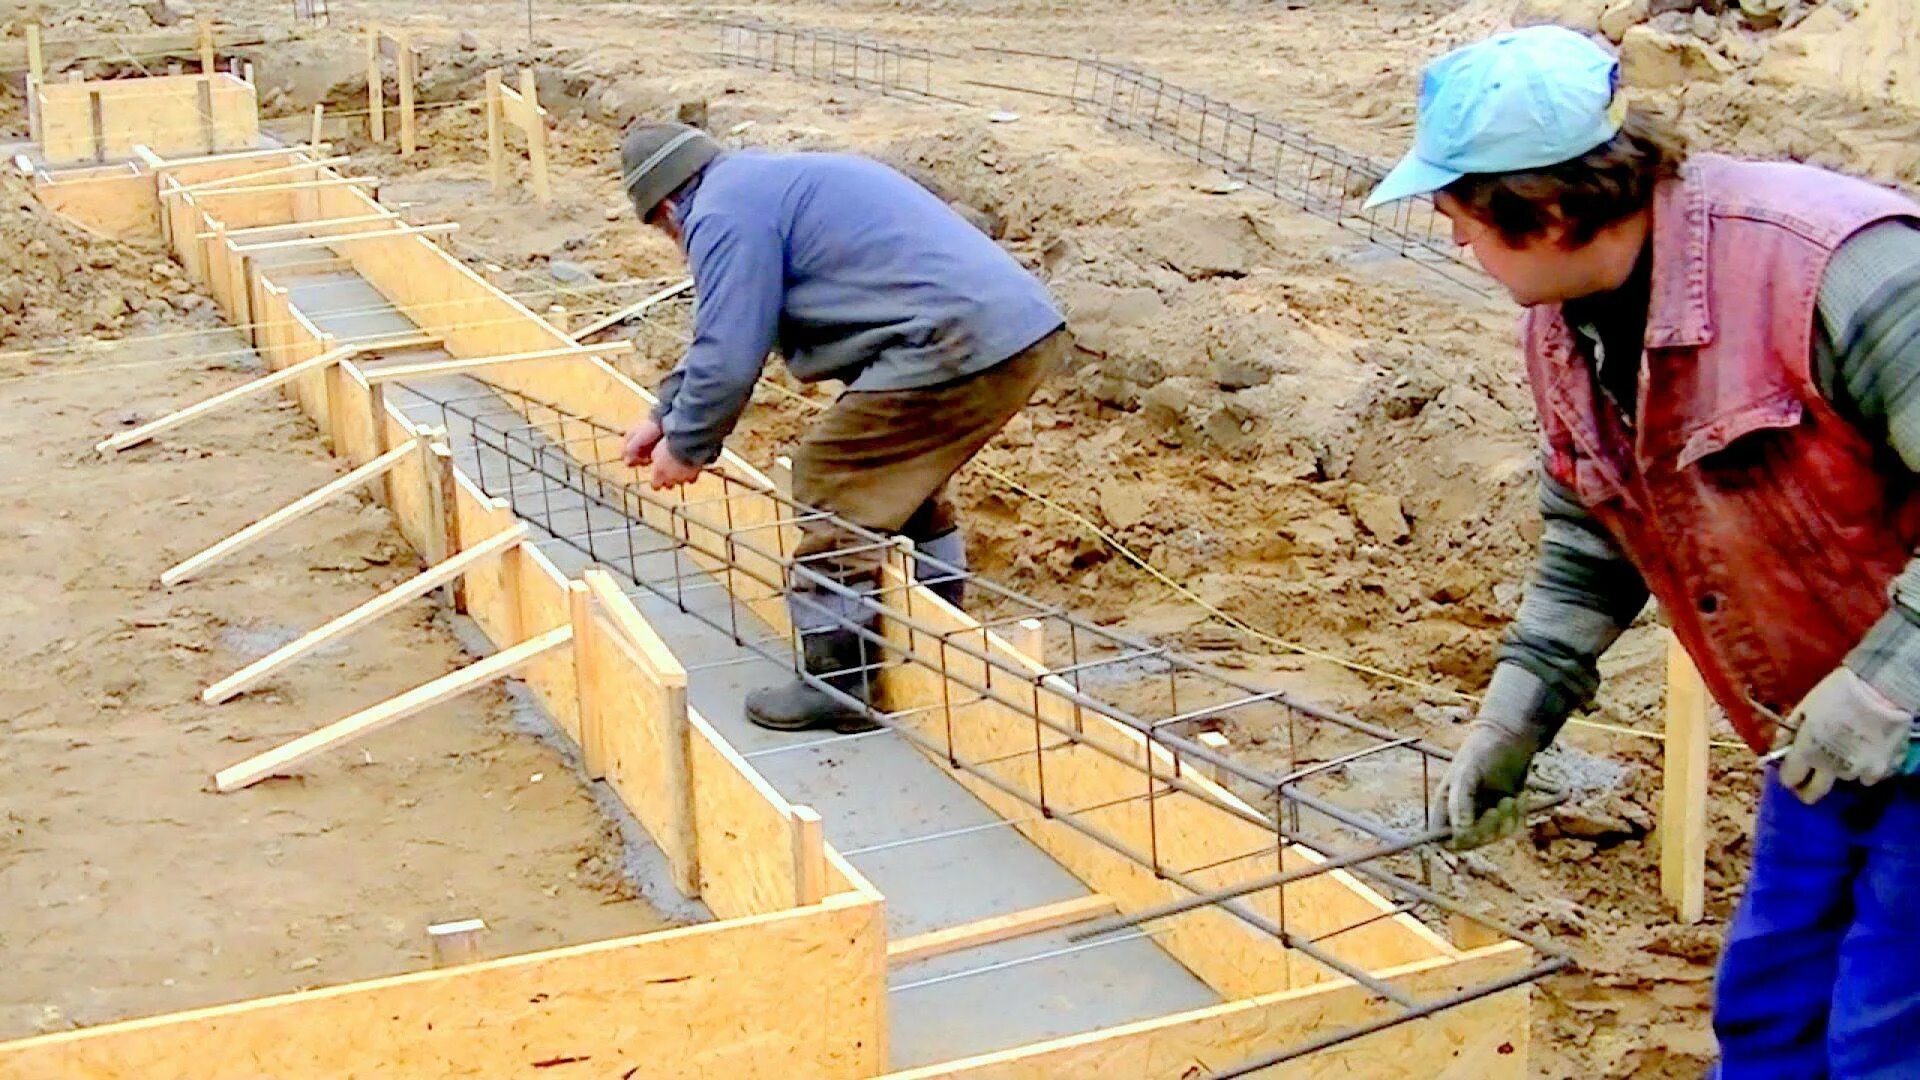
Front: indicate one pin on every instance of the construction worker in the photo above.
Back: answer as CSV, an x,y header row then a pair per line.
x,y
1725,357
855,273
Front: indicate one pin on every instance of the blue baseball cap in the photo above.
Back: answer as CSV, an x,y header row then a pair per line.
x,y
1524,99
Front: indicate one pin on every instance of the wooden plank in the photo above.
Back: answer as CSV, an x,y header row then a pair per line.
x,y
716,1000
1482,1040
197,162
431,368
580,617
1683,791
631,310
319,119
390,600
299,226
220,400
435,229
286,515
376,92
394,709
260,174
809,856
1021,923
36,62
296,185
205,32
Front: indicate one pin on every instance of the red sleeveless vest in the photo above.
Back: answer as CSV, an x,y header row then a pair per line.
x,y
1766,525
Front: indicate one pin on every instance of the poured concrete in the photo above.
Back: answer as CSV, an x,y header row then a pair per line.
x,y
939,855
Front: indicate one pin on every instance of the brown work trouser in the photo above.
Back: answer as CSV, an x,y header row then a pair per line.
x,y
881,459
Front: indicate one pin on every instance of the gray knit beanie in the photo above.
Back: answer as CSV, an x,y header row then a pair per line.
x,y
655,159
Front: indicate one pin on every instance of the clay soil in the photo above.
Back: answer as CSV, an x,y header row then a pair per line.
x,y
1308,432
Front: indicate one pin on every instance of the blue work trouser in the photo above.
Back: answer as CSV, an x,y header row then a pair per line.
x,y
1821,972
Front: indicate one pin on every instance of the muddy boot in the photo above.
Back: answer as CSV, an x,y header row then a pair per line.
x,y
947,581
837,657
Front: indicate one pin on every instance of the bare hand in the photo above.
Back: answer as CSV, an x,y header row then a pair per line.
x,y
641,440
669,471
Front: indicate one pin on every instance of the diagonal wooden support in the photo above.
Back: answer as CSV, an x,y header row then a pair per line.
x,y
367,721
226,397
287,515
265,382
412,589
1015,924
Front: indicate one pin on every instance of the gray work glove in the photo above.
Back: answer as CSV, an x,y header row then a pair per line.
x,y
1843,729
1481,797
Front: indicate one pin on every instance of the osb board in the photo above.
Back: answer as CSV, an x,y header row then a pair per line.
x,y
544,606
744,828
120,204
1234,958
162,113
1481,1040
635,711
793,995
297,338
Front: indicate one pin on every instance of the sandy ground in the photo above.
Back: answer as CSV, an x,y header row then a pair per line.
x,y
127,886
1368,495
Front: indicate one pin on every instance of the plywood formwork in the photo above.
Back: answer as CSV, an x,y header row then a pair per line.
x,y
103,120
785,897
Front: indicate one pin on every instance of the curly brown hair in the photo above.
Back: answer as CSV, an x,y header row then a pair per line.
x,y
1609,183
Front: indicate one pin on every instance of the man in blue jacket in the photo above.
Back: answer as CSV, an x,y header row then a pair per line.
x,y
853,272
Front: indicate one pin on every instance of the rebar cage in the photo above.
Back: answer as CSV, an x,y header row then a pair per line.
x,y
1353,793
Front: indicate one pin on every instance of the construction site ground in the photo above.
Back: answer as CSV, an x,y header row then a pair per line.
x,y
1314,436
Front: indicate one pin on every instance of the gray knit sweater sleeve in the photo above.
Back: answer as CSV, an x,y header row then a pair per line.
x,y
1584,590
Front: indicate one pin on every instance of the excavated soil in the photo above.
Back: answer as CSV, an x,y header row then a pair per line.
x,y
1305,431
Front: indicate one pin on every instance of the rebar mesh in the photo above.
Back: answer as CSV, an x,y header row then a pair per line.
x,y
719,559
841,59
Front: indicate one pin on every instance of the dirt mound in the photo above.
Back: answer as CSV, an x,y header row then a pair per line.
x,y
42,254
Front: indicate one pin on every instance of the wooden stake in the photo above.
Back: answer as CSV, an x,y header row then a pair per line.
x,y
536,137
456,942
408,141
557,317
319,117
496,137
411,589
225,397
287,515
809,857
580,614
206,46
1029,636
972,935
246,72
445,490
1683,795
36,62
366,721
376,92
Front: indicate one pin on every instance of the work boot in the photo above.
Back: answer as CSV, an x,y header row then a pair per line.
x,y
948,581
837,656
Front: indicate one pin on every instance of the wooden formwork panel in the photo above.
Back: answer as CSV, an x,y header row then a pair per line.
x,y
640,715
744,829
785,996
118,202
1482,1040
105,120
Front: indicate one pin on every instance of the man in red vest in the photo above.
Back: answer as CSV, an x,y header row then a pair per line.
x,y
1725,357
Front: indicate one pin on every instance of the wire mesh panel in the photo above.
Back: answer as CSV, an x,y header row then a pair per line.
x,y
1351,796
823,56
1265,154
